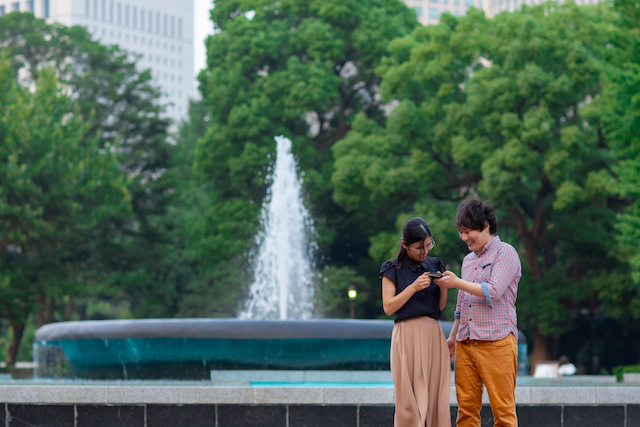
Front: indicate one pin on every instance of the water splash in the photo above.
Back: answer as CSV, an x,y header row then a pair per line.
x,y
282,286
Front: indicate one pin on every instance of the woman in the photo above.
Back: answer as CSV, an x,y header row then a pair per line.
x,y
420,363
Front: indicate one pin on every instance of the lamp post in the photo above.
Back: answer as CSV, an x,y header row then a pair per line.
x,y
352,293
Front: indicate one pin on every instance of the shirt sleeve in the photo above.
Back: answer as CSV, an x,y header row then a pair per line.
x,y
456,314
439,265
504,270
388,269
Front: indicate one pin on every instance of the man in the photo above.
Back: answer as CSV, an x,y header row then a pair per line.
x,y
484,337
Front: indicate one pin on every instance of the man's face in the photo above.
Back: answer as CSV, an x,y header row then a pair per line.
x,y
475,239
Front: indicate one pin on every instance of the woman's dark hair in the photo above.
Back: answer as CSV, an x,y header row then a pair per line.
x,y
473,213
415,230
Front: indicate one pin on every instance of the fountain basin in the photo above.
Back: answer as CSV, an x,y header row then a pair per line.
x,y
192,348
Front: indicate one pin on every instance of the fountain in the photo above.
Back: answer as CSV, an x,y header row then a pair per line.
x,y
273,332
282,286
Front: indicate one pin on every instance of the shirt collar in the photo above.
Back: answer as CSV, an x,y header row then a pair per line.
x,y
412,264
495,240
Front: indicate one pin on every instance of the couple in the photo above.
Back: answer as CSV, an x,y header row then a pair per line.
x,y
484,333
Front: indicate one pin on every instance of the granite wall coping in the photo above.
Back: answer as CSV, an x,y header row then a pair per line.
x,y
285,395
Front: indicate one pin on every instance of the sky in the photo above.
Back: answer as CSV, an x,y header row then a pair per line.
x,y
202,28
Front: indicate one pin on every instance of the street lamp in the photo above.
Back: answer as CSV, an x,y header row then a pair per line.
x,y
352,293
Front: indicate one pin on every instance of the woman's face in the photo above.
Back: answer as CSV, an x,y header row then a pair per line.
x,y
418,251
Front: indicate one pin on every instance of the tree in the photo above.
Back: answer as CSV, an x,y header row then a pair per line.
x,y
61,196
120,102
503,109
298,68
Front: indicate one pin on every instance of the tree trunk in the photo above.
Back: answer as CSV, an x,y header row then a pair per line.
x,y
17,329
68,311
540,349
44,312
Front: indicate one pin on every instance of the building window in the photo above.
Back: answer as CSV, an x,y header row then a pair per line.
x,y
119,16
157,22
104,10
480,4
2,12
165,25
30,6
173,26
179,49
457,13
468,3
134,18
456,2
150,21
180,28
418,10
111,11
434,13
126,15
142,16
86,8
445,1
45,7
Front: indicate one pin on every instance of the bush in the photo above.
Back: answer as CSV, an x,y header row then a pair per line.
x,y
619,371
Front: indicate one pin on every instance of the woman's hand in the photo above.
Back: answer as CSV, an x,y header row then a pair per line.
x,y
422,282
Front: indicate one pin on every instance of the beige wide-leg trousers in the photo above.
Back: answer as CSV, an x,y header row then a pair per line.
x,y
421,373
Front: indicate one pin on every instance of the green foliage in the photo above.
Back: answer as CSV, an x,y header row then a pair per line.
x,y
303,69
62,196
508,109
115,103
619,371
332,286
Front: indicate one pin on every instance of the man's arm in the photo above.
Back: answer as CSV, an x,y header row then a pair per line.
x,y
450,280
504,270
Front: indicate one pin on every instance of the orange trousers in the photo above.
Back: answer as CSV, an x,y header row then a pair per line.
x,y
494,364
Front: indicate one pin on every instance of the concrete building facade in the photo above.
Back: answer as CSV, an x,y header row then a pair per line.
x,y
429,11
513,5
160,31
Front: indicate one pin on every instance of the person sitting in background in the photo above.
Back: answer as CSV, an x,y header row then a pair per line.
x,y
566,368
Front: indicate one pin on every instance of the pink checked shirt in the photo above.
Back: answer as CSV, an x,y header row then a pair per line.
x,y
492,317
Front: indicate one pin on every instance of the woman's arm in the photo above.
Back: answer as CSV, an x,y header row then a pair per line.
x,y
443,298
392,302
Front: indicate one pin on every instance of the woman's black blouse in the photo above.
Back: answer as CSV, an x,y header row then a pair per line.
x,y
423,303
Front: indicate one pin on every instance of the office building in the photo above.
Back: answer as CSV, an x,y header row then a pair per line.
x,y
161,31
513,5
429,11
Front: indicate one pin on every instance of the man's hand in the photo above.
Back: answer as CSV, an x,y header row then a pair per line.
x,y
451,343
448,280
